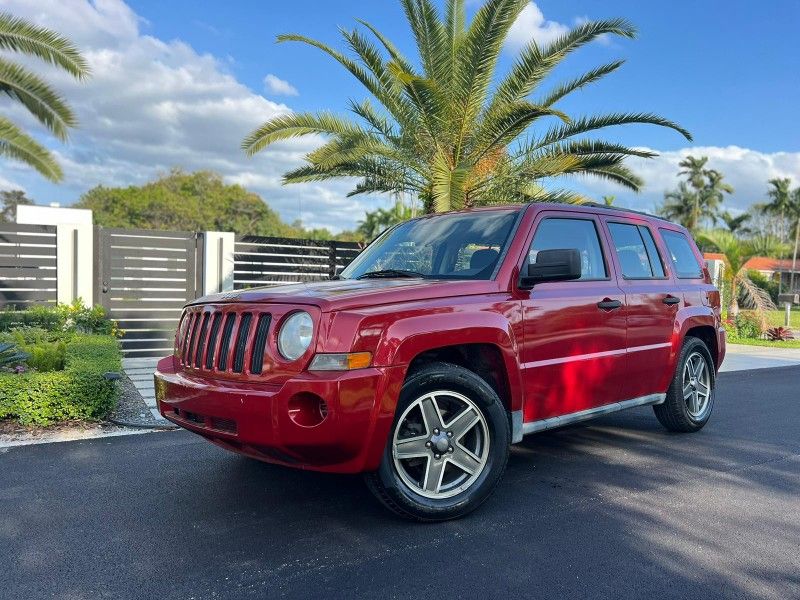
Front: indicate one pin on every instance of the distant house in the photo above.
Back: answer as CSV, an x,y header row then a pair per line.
x,y
773,268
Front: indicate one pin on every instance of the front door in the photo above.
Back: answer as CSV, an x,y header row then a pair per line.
x,y
651,306
573,347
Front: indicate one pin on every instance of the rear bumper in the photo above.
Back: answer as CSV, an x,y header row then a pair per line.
x,y
254,418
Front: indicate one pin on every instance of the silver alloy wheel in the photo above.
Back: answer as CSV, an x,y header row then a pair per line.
x,y
441,444
696,386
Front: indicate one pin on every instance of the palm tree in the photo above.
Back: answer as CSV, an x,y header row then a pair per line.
x,y
737,225
779,201
609,200
697,199
25,87
793,212
737,252
448,130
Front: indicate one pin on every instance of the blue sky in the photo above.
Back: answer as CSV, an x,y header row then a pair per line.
x,y
728,71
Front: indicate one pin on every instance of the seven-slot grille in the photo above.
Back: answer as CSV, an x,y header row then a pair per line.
x,y
219,341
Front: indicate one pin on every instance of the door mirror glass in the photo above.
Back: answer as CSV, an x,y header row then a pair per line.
x,y
552,265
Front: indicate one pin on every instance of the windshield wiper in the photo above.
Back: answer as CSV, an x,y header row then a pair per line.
x,y
387,273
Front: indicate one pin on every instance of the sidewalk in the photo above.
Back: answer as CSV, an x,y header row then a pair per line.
x,y
740,357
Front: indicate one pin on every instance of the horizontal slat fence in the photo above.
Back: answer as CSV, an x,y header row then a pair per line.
x,y
262,260
28,274
146,278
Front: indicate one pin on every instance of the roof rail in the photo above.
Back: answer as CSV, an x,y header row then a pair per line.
x,y
627,210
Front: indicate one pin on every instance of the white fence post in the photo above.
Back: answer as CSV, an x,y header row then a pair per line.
x,y
74,263
218,261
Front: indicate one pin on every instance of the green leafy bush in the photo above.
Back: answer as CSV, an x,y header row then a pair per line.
x,y
750,324
75,317
79,391
45,350
764,283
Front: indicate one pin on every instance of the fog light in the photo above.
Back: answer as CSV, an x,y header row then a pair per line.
x,y
341,362
307,410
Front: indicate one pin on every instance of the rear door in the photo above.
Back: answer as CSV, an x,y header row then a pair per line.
x,y
652,305
573,346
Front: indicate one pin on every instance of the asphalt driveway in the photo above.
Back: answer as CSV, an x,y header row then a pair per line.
x,y
613,509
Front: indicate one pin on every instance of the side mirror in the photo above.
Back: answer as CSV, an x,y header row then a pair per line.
x,y
552,265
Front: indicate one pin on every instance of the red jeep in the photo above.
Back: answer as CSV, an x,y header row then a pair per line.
x,y
447,340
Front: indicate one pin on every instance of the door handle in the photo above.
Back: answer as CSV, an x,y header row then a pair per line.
x,y
609,304
670,300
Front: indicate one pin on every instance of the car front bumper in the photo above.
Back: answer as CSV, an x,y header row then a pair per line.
x,y
255,418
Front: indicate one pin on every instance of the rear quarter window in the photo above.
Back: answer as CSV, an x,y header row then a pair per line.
x,y
682,255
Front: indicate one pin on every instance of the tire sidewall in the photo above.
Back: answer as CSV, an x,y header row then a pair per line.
x,y
440,377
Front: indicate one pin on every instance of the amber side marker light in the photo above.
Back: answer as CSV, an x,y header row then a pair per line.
x,y
341,362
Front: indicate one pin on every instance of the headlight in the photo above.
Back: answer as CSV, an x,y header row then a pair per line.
x,y
295,335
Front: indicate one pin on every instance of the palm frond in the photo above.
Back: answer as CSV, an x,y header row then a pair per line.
x,y
535,63
292,125
580,82
19,35
394,53
17,145
430,36
38,97
754,296
587,124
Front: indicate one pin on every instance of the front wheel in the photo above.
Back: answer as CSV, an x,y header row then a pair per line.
x,y
448,446
690,398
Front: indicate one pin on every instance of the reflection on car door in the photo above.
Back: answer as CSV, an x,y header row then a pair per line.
x,y
573,347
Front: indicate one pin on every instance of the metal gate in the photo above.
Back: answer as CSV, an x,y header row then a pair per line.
x,y
27,265
144,279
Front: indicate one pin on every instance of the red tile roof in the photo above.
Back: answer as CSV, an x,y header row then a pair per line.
x,y
760,263
764,263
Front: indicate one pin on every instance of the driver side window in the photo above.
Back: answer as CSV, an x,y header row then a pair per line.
x,y
555,233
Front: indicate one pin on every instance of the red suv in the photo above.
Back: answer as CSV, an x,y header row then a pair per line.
x,y
447,340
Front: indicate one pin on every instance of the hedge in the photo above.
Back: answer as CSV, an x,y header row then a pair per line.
x,y
80,391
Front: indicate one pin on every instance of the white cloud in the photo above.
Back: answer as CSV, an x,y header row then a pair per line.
x,y
278,86
531,24
151,105
746,170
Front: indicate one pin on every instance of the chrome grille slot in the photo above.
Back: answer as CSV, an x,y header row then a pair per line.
x,y
212,340
187,354
225,345
260,342
241,342
201,341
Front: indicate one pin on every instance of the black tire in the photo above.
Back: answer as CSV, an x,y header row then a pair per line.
x,y
397,495
674,413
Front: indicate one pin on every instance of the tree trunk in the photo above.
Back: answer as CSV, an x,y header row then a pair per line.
x,y
794,256
733,301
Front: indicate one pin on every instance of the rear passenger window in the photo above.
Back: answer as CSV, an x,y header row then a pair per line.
x,y
682,255
566,234
636,251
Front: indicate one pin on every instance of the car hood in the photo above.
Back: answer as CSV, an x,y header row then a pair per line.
x,y
352,293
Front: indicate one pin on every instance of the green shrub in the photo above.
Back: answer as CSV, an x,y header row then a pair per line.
x,y
45,349
79,391
750,324
75,317
770,286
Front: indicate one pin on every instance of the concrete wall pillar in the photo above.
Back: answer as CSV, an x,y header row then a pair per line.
x,y
74,262
218,250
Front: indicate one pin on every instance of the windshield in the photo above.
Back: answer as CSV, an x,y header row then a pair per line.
x,y
448,246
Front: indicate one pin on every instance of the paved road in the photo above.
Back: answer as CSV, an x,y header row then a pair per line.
x,y
615,509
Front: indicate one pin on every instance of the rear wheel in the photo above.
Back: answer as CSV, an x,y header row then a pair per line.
x,y
448,447
690,398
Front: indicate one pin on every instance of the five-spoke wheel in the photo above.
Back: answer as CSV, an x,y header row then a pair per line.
x,y
448,447
690,397
441,444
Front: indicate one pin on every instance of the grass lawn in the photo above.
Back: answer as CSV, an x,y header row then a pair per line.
x,y
777,318
767,343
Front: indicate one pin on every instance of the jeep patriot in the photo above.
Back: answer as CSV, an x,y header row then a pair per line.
x,y
449,338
